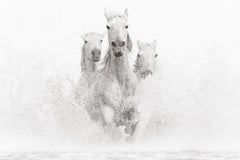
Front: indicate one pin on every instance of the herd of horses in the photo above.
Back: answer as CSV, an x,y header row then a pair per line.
x,y
109,94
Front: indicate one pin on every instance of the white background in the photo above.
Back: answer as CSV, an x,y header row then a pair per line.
x,y
198,46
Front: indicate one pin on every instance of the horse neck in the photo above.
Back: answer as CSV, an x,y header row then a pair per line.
x,y
87,66
120,67
137,72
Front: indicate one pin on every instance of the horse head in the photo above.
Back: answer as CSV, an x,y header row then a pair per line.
x,y
146,59
118,36
92,46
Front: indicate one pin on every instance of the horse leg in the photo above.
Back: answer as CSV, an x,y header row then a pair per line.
x,y
109,114
141,126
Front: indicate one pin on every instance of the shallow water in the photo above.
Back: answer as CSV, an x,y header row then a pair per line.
x,y
115,155
191,102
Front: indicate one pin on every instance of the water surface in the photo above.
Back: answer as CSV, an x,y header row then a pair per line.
x,y
117,155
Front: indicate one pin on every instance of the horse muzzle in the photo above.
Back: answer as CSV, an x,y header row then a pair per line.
x,y
96,55
118,54
148,72
96,58
118,51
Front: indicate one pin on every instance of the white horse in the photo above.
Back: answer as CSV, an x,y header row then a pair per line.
x,y
91,54
114,85
145,67
146,60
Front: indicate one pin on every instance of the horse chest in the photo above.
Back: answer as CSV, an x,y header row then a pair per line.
x,y
113,94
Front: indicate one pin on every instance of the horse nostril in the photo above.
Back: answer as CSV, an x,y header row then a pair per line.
x,y
96,52
150,72
114,44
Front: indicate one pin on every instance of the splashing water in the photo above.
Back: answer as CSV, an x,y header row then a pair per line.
x,y
37,103
192,102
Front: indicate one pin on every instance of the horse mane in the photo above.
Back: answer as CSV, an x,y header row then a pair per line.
x,y
83,61
129,43
107,56
136,67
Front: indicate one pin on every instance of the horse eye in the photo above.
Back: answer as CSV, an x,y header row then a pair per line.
x,y
126,27
101,41
138,55
155,55
108,27
85,41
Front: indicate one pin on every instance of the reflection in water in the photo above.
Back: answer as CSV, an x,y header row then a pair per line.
x,y
115,155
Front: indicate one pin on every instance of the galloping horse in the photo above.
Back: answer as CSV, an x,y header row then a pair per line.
x,y
91,54
145,66
114,85
134,118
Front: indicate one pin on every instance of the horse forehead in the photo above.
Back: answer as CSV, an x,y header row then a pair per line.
x,y
115,14
93,37
147,50
117,21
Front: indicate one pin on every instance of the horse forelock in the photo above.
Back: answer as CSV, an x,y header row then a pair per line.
x,y
115,15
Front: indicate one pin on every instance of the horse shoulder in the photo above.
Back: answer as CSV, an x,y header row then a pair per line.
x,y
111,91
106,89
132,82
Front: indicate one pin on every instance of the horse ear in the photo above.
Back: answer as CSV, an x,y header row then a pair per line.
x,y
82,36
103,34
126,13
139,44
154,44
129,43
107,14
